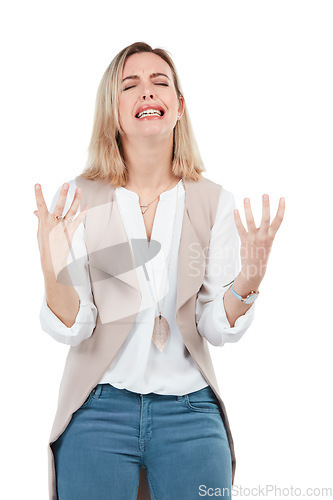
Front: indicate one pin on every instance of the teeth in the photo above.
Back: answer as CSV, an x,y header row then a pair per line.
x,y
150,112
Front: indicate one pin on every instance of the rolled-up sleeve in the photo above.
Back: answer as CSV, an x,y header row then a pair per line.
x,y
222,267
85,320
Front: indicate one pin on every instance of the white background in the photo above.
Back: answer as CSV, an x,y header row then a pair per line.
x,y
257,79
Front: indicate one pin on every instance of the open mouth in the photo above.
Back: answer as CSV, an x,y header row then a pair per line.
x,y
150,112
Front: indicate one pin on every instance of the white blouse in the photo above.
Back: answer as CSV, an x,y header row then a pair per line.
x,y
139,366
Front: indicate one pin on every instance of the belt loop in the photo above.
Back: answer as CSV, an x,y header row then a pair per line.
x,y
98,390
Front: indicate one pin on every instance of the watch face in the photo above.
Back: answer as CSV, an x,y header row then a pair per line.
x,y
251,298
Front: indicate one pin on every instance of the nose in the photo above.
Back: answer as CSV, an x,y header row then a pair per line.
x,y
147,91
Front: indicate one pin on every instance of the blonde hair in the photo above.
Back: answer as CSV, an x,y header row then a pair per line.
x,y
105,155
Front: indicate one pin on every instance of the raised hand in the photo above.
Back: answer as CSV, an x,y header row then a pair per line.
x,y
256,243
55,232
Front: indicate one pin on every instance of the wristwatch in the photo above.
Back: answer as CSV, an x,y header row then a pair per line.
x,y
251,297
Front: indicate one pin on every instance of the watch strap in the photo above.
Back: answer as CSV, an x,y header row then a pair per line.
x,y
239,297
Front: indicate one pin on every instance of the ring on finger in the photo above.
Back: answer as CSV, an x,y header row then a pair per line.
x,y
57,217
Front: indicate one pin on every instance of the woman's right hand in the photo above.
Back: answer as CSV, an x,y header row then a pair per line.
x,y
55,235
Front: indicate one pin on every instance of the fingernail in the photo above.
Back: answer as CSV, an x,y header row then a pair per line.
x,y
265,197
37,186
66,186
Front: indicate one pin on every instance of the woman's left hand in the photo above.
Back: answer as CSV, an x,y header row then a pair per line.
x,y
256,243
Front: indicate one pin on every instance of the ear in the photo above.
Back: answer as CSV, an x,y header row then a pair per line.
x,y
181,107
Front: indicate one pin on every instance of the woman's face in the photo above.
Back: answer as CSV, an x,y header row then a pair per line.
x,y
150,90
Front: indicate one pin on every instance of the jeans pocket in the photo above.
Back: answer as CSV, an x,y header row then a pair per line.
x,y
89,398
203,401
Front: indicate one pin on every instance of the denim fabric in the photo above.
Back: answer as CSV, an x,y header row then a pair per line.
x,y
180,440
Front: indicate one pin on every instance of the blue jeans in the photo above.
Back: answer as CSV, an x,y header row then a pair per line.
x,y
180,440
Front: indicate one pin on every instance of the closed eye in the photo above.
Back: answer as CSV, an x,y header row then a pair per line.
x,y
165,84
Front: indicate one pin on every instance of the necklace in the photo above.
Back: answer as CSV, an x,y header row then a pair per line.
x,y
161,328
147,205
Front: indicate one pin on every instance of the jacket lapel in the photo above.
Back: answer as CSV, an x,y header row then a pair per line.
x,y
109,248
191,260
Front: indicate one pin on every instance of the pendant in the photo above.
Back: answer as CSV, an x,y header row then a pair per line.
x,y
160,332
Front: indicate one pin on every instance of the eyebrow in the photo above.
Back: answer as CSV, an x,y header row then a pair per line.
x,y
136,77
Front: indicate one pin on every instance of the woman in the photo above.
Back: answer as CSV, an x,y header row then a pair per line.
x,y
137,284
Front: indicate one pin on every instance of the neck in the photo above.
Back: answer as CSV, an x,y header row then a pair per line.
x,y
149,164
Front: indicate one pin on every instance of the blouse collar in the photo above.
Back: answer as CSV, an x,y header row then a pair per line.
x,y
166,195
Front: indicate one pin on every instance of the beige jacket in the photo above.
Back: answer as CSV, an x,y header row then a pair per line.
x,y
118,300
